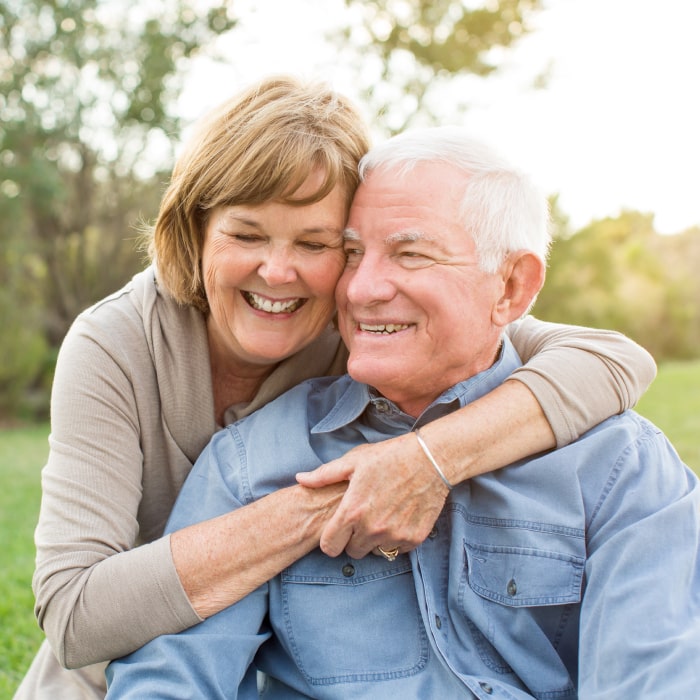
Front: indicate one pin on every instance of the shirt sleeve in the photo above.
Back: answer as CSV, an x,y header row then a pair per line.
x,y
210,660
215,656
580,376
640,615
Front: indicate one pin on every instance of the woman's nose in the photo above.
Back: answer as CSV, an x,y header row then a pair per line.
x,y
277,267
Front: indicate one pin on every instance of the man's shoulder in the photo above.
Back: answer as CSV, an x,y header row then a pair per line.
x,y
625,430
628,451
626,448
624,464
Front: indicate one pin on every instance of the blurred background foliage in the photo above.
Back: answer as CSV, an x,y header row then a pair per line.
x,y
88,131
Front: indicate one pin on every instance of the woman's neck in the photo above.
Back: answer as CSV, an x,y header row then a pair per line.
x,y
235,382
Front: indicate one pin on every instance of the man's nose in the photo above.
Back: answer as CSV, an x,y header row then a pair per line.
x,y
370,282
278,266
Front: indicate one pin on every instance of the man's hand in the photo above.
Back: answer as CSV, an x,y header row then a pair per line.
x,y
393,499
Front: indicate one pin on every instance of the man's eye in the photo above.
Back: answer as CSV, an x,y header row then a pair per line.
x,y
412,258
353,252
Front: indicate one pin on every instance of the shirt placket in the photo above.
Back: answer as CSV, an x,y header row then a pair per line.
x,y
433,556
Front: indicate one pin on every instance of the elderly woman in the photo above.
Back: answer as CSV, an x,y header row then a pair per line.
x,y
236,308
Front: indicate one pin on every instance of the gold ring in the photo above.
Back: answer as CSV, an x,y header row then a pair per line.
x,y
389,554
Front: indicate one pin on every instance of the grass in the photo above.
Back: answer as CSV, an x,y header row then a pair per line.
x,y
673,403
22,454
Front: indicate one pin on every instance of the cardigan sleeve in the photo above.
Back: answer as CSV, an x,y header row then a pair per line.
x,y
580,376
131,409
111,478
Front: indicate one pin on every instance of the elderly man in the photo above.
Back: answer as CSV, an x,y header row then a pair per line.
x,y
575,574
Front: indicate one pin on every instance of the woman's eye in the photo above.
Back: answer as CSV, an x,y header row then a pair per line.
x,y
247,237
312,246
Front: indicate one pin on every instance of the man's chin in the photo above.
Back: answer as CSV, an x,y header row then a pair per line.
x,y
377,372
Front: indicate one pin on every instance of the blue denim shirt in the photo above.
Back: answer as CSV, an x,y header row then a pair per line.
x,y
574,574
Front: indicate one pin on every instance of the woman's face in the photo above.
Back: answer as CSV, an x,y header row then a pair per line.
x,y
270,272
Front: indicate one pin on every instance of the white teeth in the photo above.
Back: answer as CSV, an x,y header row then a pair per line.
x,y
385,328
272,307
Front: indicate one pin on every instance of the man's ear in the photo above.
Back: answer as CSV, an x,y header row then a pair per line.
x,y
522,274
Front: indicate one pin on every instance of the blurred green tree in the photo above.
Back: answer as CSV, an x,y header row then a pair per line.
x,y
412,49
619,273
87,92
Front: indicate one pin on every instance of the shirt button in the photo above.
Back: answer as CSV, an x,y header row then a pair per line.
x,y
438,622
485,687
433,533
512,587
348,570
382,405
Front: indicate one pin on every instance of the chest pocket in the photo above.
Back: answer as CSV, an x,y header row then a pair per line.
x,y
351,620
517,598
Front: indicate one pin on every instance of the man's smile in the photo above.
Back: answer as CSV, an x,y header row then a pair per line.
x,y
382,328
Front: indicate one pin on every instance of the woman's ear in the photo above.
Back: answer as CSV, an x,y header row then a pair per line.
x,y
522,274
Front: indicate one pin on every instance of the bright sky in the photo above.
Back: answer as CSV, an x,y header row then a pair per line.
x,y
618,125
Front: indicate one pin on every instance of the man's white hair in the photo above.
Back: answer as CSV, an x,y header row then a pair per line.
x,y
501,208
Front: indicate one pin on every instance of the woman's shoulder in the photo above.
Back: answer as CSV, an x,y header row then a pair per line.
x,y
114,309
140,307
138,324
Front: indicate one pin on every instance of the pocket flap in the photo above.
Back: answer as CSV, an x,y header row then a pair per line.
x,y
318,568
518,576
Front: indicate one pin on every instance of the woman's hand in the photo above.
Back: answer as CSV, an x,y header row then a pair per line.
x,y
395,495
393,498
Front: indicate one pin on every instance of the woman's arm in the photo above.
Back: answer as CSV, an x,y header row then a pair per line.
x,y
574,378
580,376
221,560
113,473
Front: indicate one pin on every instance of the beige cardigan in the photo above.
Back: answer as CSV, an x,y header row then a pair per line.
x,y
132,407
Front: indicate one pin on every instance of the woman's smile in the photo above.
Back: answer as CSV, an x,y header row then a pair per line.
x,y
273,306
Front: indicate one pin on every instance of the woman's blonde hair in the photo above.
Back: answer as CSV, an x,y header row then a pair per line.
x,y
257,147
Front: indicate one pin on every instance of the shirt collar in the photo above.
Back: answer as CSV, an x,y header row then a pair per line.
x,y
354,398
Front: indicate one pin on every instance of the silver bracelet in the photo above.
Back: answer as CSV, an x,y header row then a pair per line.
x,y
429,455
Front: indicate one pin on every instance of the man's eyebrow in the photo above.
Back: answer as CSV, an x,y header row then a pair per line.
x,y
405,236
408,236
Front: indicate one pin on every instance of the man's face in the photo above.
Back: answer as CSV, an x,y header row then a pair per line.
x,y
414,308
